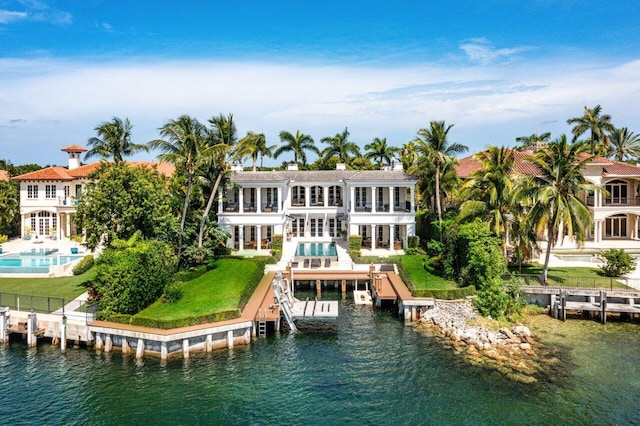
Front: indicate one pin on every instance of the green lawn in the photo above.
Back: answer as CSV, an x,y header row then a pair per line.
x,y
221,289
63,287
422,279
570,276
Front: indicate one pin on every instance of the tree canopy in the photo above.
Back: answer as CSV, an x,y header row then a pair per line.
x,y
121,200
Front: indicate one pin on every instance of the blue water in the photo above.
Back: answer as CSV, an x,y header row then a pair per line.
x,y
316,249
14,263
368,369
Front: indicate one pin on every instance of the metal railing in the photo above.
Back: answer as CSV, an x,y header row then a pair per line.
x,y
45,304
601,283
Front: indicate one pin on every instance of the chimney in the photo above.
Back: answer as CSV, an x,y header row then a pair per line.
x,y
237,167
396,165
74,152
292,166
341,166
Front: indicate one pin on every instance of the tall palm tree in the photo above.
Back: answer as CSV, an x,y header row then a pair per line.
x,y
554,193
489,191
297,144
526,141
114,140
432,143
380,151
185,138
596,124
220,144
340,146
624,145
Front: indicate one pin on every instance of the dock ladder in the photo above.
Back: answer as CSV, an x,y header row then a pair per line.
x,y
285,300
262,324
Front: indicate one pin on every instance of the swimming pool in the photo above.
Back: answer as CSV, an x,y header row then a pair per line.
x,y
32,264
316,249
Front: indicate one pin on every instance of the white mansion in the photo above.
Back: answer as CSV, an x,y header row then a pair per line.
x,y
318,206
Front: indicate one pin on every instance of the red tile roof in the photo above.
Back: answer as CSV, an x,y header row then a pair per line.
x,y
610,167
73,148
62,173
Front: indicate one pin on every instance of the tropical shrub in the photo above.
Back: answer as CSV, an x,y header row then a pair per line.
x,y
130,275
616,262
173,292
355,242
413,241
84,265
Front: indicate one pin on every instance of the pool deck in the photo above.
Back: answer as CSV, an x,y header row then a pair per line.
x,y
64,246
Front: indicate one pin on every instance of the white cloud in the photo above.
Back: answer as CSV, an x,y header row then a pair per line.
x,y
7,16
60,102
107,26
482,51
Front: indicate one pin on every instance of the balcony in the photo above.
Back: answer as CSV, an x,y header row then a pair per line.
x,y
615,201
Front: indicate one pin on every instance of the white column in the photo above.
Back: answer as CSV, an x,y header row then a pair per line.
x,y
279,199
258,236
325,194
374,199
411,199
258,200
374,237
67,224
220,206
352,199
392,199
391,237
307,196
241,200
241,237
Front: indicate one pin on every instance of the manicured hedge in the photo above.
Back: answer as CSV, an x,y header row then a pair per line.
x,y
84,265
186,322
448,294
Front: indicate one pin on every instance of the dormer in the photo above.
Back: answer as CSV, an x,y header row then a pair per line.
x,y
75,152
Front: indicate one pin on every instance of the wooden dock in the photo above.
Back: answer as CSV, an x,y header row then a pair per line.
x,y
586,301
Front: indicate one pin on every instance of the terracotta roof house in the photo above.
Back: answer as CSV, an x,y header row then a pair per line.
x,y
616,213
48,197
318,206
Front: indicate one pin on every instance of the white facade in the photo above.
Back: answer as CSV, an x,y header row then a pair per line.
x,y
318,206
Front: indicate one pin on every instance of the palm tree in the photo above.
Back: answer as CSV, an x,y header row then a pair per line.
x,y
489,191
114,140
380,151
553,193
254,145
409,154
432,143
221,143
340,146
526,141
297,144
9,205
595,123
624,145
185,139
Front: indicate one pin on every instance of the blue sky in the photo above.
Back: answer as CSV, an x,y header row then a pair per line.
x,y
495,69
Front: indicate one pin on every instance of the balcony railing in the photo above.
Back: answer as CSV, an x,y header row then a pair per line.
x,y
615,201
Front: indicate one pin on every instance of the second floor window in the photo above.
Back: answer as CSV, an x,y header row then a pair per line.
x,y
50,191
32,191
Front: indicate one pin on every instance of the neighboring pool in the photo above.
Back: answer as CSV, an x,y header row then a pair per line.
x,y
32,264
316,249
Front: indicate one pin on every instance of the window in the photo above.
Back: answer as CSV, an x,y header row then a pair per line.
x,y
32,191
314,223
361,197
380,233
332,227
616,227
50,191
363,230
396,201
617,192
380,197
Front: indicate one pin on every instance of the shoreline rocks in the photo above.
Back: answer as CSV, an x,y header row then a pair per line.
x,y
512,351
